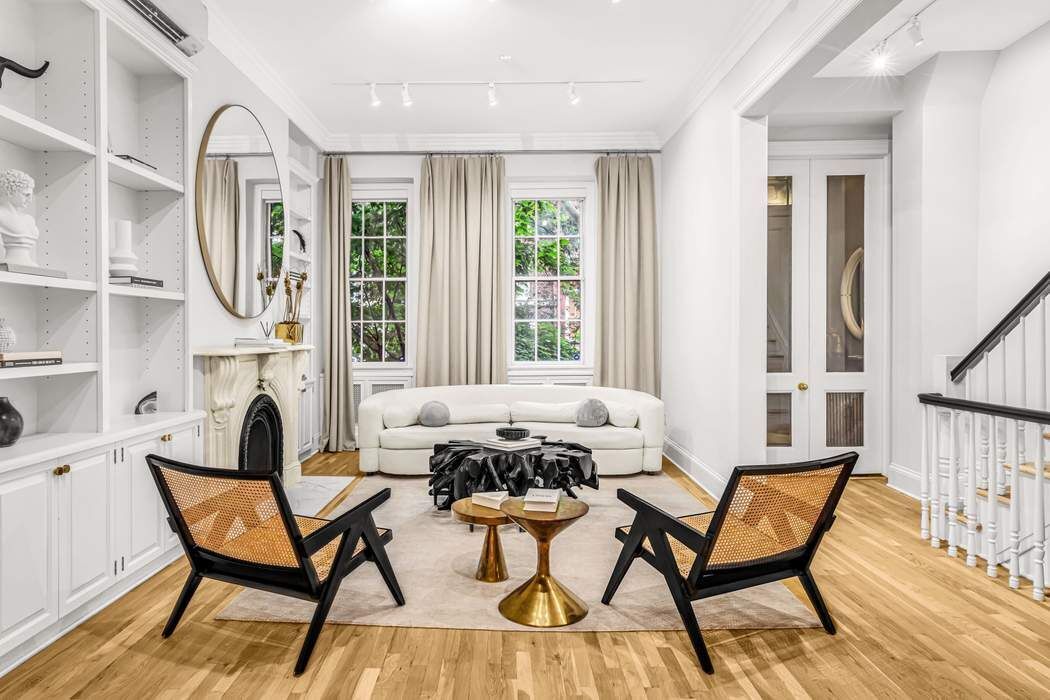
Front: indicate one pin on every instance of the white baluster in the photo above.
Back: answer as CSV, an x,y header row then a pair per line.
x,y
1021,452
993,510
935,482
971,493
924,476
1015,511
1039,526
1000,455
953,484
987,423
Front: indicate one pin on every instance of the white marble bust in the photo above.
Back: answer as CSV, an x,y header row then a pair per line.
x,y
17,228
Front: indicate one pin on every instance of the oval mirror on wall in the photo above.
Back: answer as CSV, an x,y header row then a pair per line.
x,y
240,211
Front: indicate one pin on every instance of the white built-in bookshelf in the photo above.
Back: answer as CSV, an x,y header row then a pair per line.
x,y
302,204
109,91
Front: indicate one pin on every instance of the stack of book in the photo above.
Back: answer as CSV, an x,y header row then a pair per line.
x,y
135,281
489,499
259,343
39,358
512,445
542,500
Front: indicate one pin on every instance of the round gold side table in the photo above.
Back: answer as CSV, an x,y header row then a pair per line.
x,y
492,567
543,601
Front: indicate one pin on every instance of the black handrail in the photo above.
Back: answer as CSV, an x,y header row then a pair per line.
x,y
1029,415
1009,322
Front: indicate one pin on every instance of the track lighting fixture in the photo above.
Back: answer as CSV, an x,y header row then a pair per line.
x,y
914,31
493,98
406,96
574,99
375,101
880,58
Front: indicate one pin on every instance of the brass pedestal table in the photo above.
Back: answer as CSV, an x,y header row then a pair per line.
x,y
542,601
492,567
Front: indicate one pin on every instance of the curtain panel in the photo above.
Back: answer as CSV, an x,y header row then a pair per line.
x,y
628,322
462,304
338,424
222,207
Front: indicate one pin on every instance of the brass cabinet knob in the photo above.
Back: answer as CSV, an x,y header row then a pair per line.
x,y
802,386
166,438
62,469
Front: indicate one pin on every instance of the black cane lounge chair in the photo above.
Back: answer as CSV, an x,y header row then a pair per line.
x,y
237,527
766,527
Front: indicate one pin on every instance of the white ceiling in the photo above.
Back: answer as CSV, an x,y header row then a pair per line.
x,y
949,25
671,46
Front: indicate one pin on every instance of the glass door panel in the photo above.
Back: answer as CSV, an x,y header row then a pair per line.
x,y
845,278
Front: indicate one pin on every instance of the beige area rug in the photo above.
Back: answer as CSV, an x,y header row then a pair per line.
x,y
435,557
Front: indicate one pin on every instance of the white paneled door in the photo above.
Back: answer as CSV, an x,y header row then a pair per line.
x,y
826,336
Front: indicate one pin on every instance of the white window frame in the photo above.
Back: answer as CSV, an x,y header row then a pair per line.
x,y
372,190
554,371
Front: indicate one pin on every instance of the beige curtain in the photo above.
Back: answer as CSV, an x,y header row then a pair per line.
x,y
628,327
462,306
222,209
338,425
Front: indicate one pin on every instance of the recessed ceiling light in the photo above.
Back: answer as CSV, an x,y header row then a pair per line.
x,y
505,58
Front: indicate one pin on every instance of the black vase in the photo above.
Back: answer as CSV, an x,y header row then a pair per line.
x,y
10,423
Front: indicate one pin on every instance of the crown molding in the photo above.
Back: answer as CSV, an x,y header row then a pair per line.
x,y
482,142
707,79
225,37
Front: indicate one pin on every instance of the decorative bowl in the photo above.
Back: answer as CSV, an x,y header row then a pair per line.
x,y
512,433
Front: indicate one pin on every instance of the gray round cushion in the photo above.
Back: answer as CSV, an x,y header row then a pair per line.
x,y
433,414
592,413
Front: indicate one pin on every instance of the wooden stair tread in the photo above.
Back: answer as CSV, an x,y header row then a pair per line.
x,y
1003,498
1029,468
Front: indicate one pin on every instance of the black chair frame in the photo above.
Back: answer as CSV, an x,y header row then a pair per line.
x,y
301,582
656,525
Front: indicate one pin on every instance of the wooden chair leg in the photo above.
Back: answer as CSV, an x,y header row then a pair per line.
x,y
317,623
818,601
378,551
627,556
692,627
192,581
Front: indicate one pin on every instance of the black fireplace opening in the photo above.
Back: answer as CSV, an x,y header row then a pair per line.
x,y
262,438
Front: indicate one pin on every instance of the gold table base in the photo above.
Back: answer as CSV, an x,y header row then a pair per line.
x,y
543,602
492,567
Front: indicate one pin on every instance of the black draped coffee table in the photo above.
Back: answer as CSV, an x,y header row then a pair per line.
x,y
463,467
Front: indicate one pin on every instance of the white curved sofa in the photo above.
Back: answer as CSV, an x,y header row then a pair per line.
x,y
406,449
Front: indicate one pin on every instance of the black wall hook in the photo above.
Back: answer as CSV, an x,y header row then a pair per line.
x,y
6,63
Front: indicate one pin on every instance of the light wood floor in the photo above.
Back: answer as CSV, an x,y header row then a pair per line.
x,y
912,623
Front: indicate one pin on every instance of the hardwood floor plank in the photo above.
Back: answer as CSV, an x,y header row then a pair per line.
x,y
912,622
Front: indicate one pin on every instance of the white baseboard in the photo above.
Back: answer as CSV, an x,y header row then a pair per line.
x,y
903,479
49,635
701,473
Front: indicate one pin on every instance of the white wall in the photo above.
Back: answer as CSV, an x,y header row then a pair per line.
x,y
713,252
936,146
1015,188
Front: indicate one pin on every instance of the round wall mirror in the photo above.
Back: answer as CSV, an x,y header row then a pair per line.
x,y
240,211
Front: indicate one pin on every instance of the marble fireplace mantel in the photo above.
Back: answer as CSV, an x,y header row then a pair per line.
x,y
230,378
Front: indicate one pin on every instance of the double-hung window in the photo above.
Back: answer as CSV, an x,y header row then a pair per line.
x,y
379,280
548,280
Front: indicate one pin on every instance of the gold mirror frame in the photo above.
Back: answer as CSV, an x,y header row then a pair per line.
x,y
854,325
202,241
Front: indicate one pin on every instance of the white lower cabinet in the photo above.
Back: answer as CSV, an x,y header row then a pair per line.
x,y
28,571
71,529
140,535
85,521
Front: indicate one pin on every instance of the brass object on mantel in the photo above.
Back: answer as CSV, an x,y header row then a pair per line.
x,y
289,332
543,601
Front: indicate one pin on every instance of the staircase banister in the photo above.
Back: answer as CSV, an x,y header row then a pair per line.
x,y
1007,324
1030,415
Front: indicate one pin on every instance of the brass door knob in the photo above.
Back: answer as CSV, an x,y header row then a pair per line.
x,y
802,386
